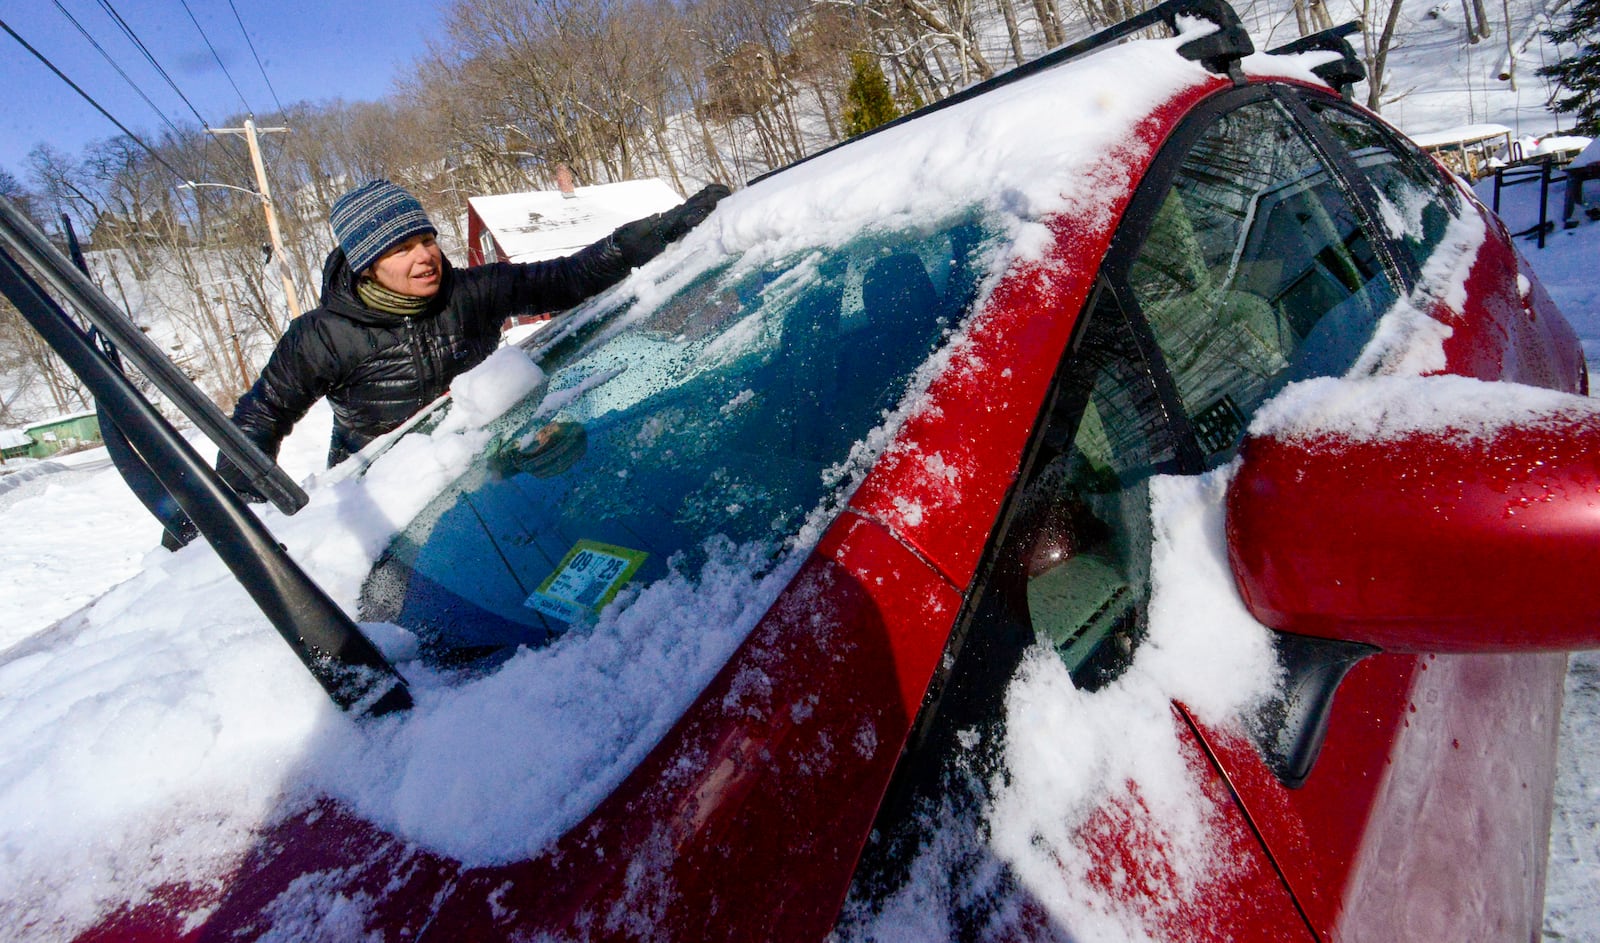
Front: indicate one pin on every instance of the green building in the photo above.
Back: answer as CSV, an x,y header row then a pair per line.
x,y
63,433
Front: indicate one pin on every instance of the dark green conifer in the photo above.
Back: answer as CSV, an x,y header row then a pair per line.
x,y
868,101
1577,75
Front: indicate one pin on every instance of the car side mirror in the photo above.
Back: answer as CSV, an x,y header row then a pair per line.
x,y
1425,541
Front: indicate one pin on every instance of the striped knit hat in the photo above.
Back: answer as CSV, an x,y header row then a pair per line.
x,y
373,218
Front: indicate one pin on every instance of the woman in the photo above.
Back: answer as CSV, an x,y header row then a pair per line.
x,y
397,322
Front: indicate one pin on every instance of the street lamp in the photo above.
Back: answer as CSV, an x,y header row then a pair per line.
x,y
272,230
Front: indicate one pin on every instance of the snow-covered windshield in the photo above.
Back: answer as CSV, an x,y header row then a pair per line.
x,y
715,410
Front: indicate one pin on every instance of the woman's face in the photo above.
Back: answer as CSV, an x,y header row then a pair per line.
x,y
413,267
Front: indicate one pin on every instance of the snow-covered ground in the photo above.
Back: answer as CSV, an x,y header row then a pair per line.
x,y
1566,266
86,692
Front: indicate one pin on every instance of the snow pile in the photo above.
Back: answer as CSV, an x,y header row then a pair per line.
x,y
148,734
479,396
494,770
1390,408
1068,753
1572,887
104,531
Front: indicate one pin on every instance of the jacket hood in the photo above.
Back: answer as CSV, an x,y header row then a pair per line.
x,y
339,292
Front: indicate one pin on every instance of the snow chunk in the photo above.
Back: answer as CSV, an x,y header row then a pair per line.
x,y
489,389
1388,408
497,769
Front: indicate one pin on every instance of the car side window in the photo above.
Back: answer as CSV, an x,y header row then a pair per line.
x,y
1083,518
1256,271
1072,572
1416,203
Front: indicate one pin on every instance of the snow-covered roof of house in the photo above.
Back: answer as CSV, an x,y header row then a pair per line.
x,y
1463,134
57,420
544,224
14,439
1556,144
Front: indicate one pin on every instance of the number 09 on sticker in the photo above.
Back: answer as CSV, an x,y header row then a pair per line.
x,y
588,577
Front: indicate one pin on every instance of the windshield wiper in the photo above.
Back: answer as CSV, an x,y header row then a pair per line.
x,y
347,665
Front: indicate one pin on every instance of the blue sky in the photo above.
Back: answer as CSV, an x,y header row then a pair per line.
x,y
311,50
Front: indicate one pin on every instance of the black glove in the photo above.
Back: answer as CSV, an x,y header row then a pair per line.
x,y
643,239
234,477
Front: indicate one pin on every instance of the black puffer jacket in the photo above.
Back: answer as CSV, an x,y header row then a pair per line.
x,y
378,369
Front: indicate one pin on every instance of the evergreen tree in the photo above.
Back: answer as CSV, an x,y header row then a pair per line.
x,y
1577,76
868,101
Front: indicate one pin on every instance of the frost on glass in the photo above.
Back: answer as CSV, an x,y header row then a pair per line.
x,y
712,409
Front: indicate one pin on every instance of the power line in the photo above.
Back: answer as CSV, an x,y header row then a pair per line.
x,y
86,97
214,55
149,57
257,56
133,37
113,62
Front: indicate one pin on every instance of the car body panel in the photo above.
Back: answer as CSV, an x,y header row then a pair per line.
x,y
1503,324
1426,814
1482,545
300,874
1244,898
1426,757
940,488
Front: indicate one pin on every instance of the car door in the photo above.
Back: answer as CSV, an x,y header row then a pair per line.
x,y
1254,254
1422,815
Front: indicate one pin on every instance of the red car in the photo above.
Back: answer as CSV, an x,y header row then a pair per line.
x,y
1170,528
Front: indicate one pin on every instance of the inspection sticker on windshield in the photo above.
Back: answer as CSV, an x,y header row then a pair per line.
x,y
589,576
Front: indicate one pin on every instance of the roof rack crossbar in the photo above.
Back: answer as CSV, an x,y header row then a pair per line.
x,y
1344,72
1220,52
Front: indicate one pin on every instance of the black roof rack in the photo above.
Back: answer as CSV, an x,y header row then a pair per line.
x,y
1219,51
1344,72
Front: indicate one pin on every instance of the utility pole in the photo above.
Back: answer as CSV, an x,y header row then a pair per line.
x,y
249,131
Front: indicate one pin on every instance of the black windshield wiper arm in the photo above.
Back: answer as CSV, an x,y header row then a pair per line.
x,y
347,665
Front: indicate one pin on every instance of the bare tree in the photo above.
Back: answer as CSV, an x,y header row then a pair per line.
x,y
1375,48
29,364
